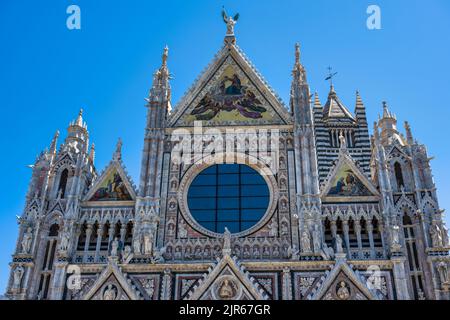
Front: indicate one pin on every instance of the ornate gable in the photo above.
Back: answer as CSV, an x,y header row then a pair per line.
x,y
230,92
112,185
112,284
227,281
347,180
342,283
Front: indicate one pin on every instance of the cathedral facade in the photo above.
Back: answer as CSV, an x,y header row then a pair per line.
x,y
239,198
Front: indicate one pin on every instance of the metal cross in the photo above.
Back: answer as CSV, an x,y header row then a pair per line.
x,y
330,76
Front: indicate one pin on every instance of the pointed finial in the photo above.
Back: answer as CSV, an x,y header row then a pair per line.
x,y
375,131
54,142
118,152
165,55
409,136
79,121
298,72
316,99
297,53
92,152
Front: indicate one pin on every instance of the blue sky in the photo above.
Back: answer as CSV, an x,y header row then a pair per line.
x,y
47,72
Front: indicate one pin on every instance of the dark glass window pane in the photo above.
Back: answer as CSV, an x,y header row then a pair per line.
x,y
202,203
255,190
228,203
228,168
228,179
203,215
205,180
207,191
228,195
228,191
228,215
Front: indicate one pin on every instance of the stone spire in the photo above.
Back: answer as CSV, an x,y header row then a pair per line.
x,y
79,121
388,126
118,153
160,90
298,72
409,136
54,143
92,153
77,134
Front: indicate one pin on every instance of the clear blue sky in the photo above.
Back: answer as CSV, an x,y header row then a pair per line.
x,y
47,72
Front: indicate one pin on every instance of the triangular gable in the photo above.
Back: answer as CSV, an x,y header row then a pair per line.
x,y
347,180
230,92
112,185
114,281
227,281
335,109
342,283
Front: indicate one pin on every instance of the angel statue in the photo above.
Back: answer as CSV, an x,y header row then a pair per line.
x,y
230,21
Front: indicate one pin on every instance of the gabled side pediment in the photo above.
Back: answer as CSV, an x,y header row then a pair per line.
x,y
112,285
347,180
342,283
227,281
112,185
230,92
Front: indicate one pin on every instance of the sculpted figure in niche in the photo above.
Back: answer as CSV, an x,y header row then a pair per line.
x,y
26,240
114,247
306,241
18,274
137,245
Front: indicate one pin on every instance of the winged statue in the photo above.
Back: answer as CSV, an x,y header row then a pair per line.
x,y
230,21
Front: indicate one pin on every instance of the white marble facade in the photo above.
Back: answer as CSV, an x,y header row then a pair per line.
x,y
349,216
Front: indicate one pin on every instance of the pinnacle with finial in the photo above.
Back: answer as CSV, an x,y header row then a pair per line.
x,y
54,141
118,152
79,121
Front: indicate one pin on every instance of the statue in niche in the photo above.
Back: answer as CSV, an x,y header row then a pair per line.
x,y
26,240
395,238
339,247
443,272
126,253
114,247
316,239
226,241
306,241
17,276
148,243
293,253
65,238
137,245
436,235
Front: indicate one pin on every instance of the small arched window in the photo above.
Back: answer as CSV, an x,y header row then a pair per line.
x,y
399,175
63,182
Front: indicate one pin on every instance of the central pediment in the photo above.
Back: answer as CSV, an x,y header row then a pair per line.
x,y
230,92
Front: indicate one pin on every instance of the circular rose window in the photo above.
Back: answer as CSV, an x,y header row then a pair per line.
x,y
228,195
